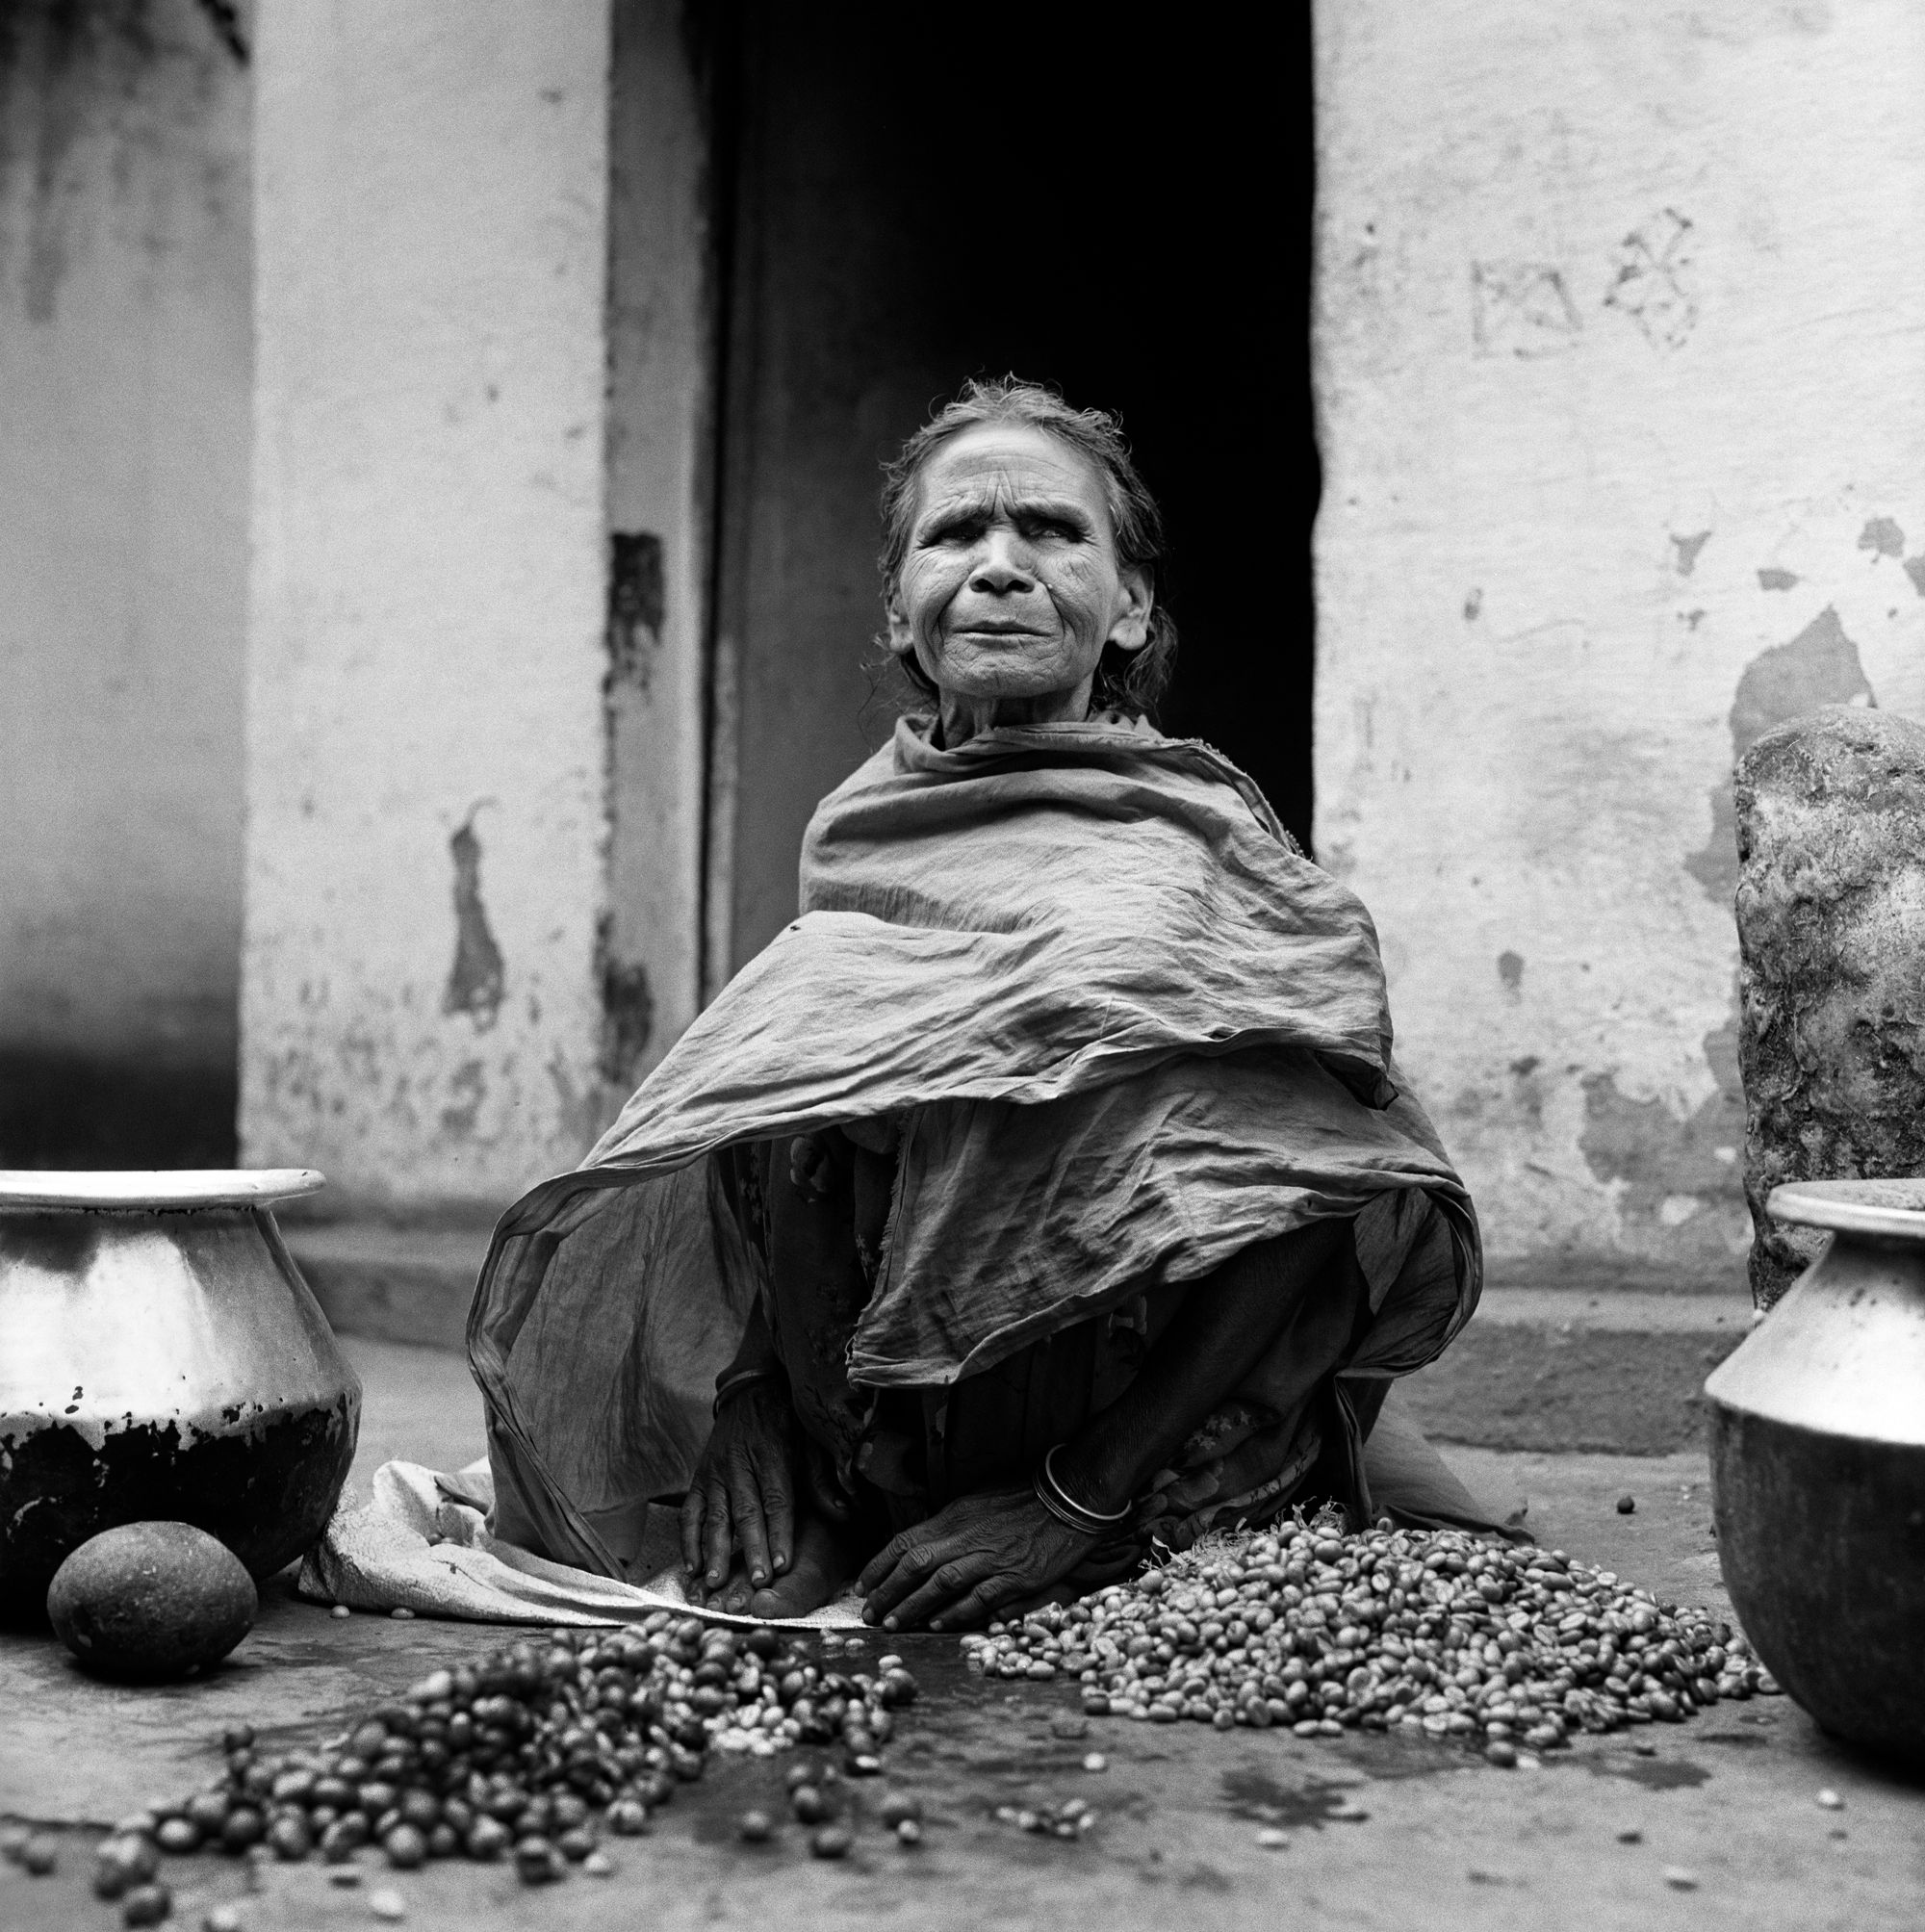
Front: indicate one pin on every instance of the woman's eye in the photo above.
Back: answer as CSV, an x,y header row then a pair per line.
x,y
954,533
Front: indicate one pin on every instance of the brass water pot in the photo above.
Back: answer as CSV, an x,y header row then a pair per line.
x,y
1818,1467
161,1358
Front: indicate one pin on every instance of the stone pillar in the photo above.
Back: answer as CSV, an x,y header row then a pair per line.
x,y
1619,400
426,742
1831,906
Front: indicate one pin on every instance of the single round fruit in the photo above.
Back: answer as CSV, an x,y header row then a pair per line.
x,y
151,1599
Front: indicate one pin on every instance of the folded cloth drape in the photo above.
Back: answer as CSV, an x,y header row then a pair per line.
x,y
1125,1029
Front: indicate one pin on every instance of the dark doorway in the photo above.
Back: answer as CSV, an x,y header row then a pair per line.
x,y
1126,216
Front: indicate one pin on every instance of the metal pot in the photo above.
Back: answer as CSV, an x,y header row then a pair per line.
x,y
1818,1467
161,1358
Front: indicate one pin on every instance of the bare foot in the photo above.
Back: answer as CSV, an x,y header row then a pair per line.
x,y
824,1561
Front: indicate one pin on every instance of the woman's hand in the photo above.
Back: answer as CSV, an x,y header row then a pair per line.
x,y
743,1490
967,1560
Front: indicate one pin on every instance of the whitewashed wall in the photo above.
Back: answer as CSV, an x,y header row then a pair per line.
x,y
1621,369
426,740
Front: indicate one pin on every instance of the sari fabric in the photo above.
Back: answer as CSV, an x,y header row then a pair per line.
x,y
1121,1029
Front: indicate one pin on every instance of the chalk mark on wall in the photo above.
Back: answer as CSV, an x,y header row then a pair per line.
x,y
477,981
1657,282
1522,308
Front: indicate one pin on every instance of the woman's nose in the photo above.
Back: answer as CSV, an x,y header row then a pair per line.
x,y
1002,565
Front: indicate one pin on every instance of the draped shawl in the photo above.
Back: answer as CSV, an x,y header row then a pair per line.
x,y
1125,1029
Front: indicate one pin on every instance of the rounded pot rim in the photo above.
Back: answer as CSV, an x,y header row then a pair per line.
x,y
1894,1208
137,1190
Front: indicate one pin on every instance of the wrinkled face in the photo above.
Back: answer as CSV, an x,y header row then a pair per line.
x,y
1012,587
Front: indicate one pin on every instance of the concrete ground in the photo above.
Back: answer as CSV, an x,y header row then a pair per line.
x,y
1718,1824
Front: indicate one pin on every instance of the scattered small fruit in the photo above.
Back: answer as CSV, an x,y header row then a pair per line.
x,y
1626,1506
1831,1800
831,1840
1679,1879
146,1905
387,1904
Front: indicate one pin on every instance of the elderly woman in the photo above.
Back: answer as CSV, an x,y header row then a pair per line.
x,y
1045,1191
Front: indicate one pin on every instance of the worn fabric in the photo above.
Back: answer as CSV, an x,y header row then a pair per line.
x,y
1125,1029
421,1542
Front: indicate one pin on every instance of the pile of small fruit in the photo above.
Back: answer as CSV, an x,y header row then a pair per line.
x,y
1429,1631
530,1755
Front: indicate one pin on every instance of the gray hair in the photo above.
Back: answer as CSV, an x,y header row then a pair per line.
x,y
1130,680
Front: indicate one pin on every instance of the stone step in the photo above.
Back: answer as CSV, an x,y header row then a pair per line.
x,y
393,1284
1599,1367
1618,1370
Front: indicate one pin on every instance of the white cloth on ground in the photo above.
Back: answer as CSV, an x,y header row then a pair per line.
x,y
420,1542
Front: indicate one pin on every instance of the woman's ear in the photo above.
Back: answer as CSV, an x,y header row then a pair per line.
x,y
1129,629
902,639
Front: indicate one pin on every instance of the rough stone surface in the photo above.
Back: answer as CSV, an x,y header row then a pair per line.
x,y
1831,907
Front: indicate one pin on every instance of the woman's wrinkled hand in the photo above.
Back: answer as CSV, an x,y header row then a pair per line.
x,y
968,1560
742,1494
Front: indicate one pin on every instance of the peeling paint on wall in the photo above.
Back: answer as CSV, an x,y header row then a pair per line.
x,y
1688,549
1819,666
636,606
1777,580
1669,1172
628,1022
1882,537
477,980
467,1089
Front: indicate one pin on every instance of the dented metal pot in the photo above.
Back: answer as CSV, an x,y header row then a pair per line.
x,y
1818,1467
161,1358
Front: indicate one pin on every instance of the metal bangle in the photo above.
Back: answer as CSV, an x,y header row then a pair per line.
x,y
1066,1510
727,1384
